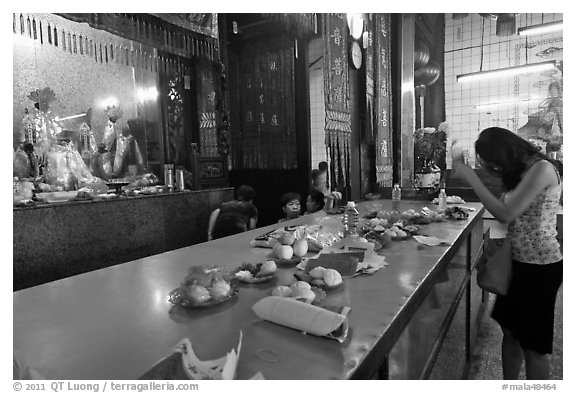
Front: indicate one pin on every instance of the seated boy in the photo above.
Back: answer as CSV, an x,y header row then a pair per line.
x,y
314,201
234,216
290,206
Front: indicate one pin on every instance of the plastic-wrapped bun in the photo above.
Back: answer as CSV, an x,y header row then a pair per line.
x,y
268,267
300,285
282,291
317,272
307,294
332,278
220,289
198,293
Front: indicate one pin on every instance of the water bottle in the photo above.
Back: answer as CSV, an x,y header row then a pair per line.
x,y
442,200
350,219
169,175
396,197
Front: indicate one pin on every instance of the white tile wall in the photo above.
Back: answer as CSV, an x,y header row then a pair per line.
x,y
464,52
317,143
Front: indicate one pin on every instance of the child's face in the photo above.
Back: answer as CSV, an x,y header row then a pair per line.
x,y
292,208
320,180
311,205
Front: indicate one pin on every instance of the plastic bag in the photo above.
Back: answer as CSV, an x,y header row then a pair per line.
x,y
22,190
21,164
66,165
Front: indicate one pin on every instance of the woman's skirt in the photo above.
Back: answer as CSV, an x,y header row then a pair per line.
x,y
528,308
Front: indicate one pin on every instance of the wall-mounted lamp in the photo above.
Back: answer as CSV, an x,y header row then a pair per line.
x,y
543,28
149,94
355,25
508,71
108,102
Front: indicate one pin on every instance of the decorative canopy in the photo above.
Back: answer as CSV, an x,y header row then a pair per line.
x,y
186,35
206,24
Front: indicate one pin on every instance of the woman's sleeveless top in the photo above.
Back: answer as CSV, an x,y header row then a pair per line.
x,y
533,233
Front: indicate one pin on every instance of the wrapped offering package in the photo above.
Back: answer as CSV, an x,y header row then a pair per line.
x,y
303,316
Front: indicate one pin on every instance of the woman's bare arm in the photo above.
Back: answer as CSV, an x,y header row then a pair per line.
x,y
537,178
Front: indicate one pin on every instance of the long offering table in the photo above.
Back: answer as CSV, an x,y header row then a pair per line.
x,y
115,323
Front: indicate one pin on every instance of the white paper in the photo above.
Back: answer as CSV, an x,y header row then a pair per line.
x,y
430,240
222,368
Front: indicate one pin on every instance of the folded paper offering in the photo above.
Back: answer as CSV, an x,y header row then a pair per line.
x,y
182,363
344,263
347,263
304,317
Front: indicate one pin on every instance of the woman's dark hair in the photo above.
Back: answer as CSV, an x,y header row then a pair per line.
x,y
506,155
245,193
323,166
317,197
286,198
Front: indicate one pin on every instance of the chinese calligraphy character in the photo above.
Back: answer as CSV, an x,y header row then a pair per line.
x,y
261,118
384,118
384,149
249,83
338,70
261,97
339,93
212,97
383,57
274,120
250,116
336,35
383,28
384,89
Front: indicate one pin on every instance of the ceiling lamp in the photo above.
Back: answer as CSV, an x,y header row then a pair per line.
x,y
543,28
508,71
505,25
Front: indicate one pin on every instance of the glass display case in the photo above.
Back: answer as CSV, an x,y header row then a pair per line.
x,y
105,100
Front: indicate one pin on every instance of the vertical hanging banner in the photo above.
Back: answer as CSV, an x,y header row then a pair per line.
x,y
383,100
337,99
368,43
206,98
266,96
